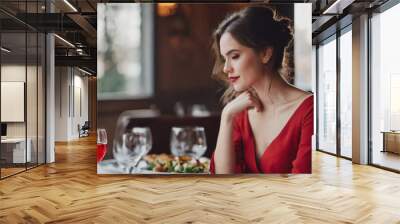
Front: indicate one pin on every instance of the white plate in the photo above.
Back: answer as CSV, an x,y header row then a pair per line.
x,y
111,167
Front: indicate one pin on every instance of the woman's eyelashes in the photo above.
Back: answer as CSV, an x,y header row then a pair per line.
x,y
235,56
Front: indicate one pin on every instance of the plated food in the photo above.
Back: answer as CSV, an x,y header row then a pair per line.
x,y
176,164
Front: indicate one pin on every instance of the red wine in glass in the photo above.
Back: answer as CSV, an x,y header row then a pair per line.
x,y
101,151
101,144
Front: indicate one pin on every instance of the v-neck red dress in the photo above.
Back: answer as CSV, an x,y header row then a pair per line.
x,y
289,152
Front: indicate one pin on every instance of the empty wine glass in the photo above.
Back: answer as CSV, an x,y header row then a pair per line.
x,y
189,141
131,146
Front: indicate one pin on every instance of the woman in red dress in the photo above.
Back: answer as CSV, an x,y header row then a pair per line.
x,y
266,124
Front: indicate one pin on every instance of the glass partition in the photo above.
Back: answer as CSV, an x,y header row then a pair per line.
x,y
13,87
22,77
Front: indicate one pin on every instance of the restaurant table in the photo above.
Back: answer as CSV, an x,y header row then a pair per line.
x,y
111,166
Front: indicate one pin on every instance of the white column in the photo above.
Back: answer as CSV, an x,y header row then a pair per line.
x,y
50,92
50,99
360,90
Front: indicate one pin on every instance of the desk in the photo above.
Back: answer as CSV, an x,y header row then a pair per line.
x,y
391,141
16,148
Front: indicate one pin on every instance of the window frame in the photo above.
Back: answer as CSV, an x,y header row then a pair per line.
x,y
379,10
333,37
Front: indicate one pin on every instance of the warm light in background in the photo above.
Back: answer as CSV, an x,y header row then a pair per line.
x,y
166,9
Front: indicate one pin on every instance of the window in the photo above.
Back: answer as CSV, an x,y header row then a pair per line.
x,y
346,93
394,117
385,85
125,49
327,96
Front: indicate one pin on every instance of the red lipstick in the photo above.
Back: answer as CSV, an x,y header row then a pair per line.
x,y
233,79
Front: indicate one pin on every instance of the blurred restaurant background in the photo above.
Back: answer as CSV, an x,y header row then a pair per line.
x,y
66,70
159,63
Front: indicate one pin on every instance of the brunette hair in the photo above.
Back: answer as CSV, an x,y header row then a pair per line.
x,y
256,27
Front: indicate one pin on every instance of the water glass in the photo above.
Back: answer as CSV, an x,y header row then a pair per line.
x,y
188,141
131,146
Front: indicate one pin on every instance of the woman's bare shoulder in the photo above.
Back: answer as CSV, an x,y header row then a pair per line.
x,y
299,94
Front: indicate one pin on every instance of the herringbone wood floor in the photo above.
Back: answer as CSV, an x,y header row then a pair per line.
x,y
70,191
9,171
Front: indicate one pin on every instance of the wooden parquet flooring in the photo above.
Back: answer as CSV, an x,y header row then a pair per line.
x,y
70,191
9,171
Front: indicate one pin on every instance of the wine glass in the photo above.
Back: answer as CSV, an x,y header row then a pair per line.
x,y
131,146
188,141
101,144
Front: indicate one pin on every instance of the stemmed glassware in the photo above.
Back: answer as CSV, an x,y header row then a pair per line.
x,y
189,141
131,147
101,144
130,143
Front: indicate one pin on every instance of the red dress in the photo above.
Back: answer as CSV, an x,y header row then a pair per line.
x,y
289,152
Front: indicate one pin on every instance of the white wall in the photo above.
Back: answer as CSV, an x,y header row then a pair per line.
x,y
62,81
70,83
12,73
81,82
33,126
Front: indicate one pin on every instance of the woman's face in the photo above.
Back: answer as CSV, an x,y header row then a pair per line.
x,y
243,65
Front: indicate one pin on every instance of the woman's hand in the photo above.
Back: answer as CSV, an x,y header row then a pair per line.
x,y
247,99
224,158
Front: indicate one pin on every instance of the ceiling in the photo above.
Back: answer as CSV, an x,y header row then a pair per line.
x,y
76,22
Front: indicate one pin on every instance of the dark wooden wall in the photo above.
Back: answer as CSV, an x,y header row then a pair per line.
x,y
184,57
92,84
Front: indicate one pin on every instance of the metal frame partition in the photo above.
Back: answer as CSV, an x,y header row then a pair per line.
x,y
36,34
